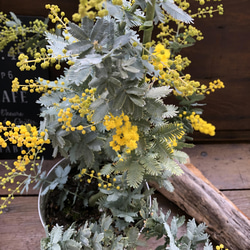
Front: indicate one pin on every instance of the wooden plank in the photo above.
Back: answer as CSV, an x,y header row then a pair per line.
x,y
225,165
241,198
20,227
223,136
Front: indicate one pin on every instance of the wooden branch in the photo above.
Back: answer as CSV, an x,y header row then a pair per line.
x,y
195,195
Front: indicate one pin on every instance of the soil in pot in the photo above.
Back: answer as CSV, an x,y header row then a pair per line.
x,y
74,209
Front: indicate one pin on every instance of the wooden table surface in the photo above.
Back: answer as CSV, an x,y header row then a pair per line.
x,y
225,165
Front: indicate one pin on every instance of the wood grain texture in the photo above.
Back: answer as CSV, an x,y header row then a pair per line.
x,y
241,198
225,165
31,8
224,54
203,201
20,227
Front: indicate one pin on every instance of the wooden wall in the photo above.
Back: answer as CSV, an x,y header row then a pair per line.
x,y
37,8
224,54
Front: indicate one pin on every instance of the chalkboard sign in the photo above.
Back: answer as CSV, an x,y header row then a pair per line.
x,y
18,107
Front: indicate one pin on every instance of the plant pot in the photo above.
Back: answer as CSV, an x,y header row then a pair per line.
x,y
43,199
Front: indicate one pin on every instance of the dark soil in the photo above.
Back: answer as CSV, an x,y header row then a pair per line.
x,y
73,211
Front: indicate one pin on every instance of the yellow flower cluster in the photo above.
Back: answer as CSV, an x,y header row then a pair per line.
x,y
54,17
160,57
208,10
81,105
23,136
30,141
65,116
216,84
106,183
169,72
10,34
91,9
125,135
45,58
14,185
201,125
36,86
221,246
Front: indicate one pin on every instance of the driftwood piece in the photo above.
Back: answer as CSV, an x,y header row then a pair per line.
x,y
195,195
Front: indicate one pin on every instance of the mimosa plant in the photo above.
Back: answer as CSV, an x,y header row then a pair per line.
x,y
108,115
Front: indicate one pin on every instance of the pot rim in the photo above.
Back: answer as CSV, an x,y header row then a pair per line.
x,y
43,197
40,193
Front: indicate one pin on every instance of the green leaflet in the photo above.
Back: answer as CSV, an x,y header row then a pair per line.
x,y
100,112
173,167
151,165
107,169
17,22
100,30
158,92
135,174
155,108
56,43
176,12
80,47
77,32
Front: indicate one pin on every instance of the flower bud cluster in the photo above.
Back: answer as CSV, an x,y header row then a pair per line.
x,y
168,34
201,125
20,34
80,104
37,86
125,135
91,9
30,141
45,58
103,182
54,16
216,84
208,10
23,136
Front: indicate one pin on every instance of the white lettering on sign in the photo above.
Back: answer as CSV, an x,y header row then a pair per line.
x,y
13,97
9,75
5,112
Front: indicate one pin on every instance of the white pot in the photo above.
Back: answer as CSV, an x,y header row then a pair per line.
x,y
42,199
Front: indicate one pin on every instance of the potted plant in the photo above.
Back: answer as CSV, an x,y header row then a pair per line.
x,y
108,115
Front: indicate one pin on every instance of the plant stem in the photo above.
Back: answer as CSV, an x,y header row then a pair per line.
x,y
147,34
93,199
